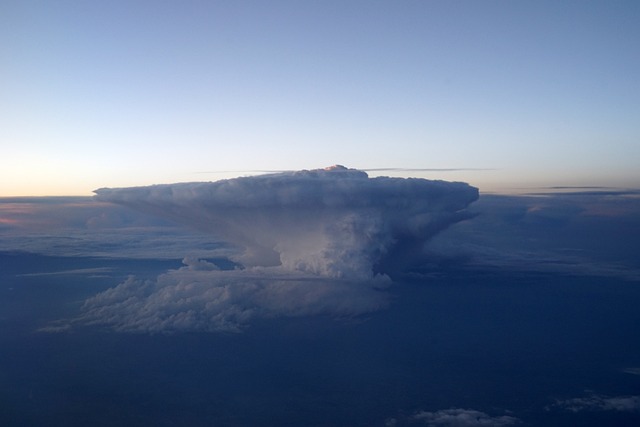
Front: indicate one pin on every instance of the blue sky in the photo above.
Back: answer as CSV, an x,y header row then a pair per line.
x,y
97,94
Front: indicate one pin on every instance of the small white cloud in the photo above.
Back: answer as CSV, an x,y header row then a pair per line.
x,y
457,417
600,403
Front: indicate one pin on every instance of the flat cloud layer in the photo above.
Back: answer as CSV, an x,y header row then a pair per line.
x,y
309,242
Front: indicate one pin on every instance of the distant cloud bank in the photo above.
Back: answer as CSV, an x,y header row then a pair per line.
x,y
309,242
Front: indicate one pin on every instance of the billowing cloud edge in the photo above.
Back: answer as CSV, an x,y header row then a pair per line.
x,y
308,243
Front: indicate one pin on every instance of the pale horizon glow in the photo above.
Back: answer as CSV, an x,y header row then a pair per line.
x,y
508,95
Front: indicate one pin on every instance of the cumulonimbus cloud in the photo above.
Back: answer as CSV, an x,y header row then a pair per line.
x,y
309,242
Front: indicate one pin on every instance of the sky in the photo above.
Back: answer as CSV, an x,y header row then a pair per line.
x,y
207,265
501,94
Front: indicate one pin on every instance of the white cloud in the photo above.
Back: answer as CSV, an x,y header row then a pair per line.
x,y
457,417
200,297
600,403
311,242
334,222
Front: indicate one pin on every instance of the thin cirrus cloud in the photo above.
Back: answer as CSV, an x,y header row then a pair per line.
x,y
308,242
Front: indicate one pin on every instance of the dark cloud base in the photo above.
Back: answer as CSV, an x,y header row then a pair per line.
x,y
506,345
